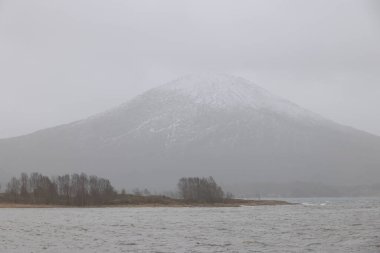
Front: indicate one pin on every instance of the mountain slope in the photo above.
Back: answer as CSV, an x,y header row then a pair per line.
x,y
216,125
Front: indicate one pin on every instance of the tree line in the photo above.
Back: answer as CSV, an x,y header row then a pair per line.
x,y
74,189
206,190
84,190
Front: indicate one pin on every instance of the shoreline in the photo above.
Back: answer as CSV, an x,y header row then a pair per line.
x,y
229,203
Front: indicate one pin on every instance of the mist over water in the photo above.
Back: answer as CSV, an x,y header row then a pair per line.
x,y
316,225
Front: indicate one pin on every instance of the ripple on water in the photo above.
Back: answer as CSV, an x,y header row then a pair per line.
x,y
343,226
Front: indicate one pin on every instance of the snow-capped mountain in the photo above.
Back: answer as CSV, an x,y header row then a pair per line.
x,y
229,92
217,125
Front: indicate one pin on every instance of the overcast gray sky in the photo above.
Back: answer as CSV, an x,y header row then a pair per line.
x,y
62,60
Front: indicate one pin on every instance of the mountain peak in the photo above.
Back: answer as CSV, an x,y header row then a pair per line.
x,y
218,90
228,91
214,83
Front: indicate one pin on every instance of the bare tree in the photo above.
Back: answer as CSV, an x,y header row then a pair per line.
x,y
24,179
13,189
77,189
200,190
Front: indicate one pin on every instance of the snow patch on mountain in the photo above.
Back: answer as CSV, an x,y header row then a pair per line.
x,y
227,92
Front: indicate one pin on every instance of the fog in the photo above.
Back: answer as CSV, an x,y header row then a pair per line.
x,y
65,60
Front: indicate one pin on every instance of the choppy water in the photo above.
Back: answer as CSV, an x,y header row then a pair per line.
x,y
334,225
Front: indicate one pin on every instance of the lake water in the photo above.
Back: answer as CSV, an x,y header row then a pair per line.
x,y
317,225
